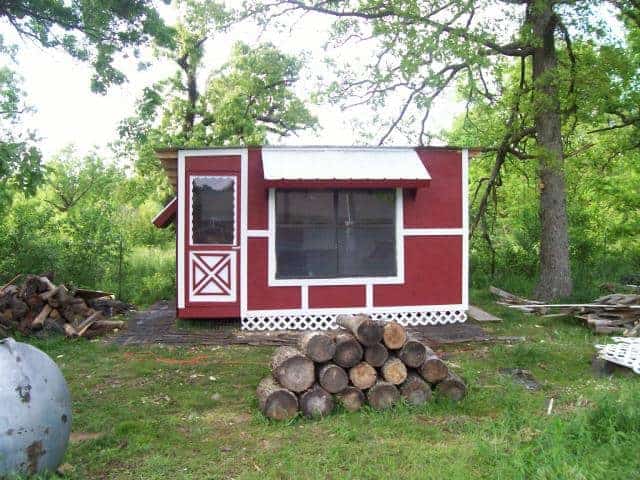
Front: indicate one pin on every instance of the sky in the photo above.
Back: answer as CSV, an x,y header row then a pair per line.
x,y
67,112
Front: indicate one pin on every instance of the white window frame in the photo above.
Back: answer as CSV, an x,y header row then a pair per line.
x,y
398,278
235,211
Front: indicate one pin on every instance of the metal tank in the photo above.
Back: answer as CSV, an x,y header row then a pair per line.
x,y
35,410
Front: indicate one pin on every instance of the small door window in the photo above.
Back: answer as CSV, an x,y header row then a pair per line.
x,y
213,210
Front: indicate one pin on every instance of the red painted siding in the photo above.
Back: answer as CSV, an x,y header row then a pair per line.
x,y
440,204
260,295
337,296
219,165
433,274
258,195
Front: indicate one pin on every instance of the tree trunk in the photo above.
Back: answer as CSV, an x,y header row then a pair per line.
x,y
292,370
367,331
383,395
376,355
415,390
333,378
363,375
348,351
394,335
555,271
318,346
276,402
316,402
351,399
394,371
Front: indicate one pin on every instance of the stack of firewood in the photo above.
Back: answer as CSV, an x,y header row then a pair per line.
x,y
367,362
617,313
38,304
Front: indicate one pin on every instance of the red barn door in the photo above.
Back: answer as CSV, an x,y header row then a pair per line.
x,y
213,237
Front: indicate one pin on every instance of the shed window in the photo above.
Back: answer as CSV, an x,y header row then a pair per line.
x,y
212,210
335,233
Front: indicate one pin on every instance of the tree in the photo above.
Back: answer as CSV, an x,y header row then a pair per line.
x,y
424,47
89,31
248,98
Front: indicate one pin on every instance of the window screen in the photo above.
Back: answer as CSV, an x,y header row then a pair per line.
x,y
335,233
212,210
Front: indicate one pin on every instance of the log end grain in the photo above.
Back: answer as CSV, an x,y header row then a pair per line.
x,y
383,395
316,402
434,370
351,398
394,335
413,353
276,402
333,378
292,370
348,351
415,390
363,375
394,371
376,355
452,387
318,346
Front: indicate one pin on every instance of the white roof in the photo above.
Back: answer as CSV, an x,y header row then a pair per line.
x,y
342,163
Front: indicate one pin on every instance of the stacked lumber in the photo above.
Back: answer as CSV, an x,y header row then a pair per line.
x,y
366,362
617,313
38,304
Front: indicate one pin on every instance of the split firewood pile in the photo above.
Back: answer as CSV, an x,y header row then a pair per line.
x,y
367,361
617,313
37,304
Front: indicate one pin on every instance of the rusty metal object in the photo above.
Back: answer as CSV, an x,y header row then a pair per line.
x,y
35,417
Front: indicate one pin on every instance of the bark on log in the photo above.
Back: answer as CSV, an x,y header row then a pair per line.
x,y
316,402
413,353
318,346
433,370
333,378
38,322
383,395
69,330
276,402
292,370
394,335
351,398
348,351
394,371
376,355
415,390
363,376
367,331
452,387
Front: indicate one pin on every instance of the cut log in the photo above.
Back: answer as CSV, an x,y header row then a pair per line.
x,y
348,351
276,402
394,371
351,398
363,376
383,395
292,369
86,324
413,353
333,378
394,335
318,346
415,390
433,370
38,322
452,387
69,330
376,355
109,323
367,331
316,402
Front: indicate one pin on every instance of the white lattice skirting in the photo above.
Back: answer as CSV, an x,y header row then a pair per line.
x,y
625,352
327,321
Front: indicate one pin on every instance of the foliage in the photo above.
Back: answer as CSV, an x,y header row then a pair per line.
x,y
89,31
191,412
20,158
248,98
91,226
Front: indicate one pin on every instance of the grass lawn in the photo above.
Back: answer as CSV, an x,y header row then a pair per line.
x,y
190,413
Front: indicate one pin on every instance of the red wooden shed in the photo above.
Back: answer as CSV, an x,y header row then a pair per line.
x,y
290,237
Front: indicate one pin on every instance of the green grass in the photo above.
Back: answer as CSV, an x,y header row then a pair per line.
x,y
190,413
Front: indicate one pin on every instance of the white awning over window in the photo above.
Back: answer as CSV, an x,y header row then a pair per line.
x,y
343,166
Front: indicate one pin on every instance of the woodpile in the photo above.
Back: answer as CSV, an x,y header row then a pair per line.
x,y
617,313
37,304
367,362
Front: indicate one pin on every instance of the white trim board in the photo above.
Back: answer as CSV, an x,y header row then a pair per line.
x,y
336,311
465,228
